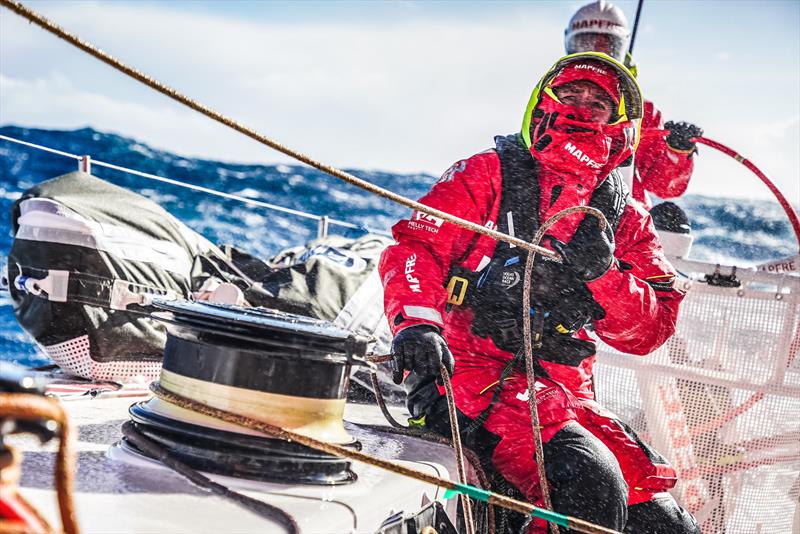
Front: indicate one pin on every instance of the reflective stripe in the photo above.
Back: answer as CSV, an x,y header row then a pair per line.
x,y
510,218
485,260
45,220
421,312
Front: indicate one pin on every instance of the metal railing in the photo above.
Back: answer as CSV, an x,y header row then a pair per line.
x,y
85,164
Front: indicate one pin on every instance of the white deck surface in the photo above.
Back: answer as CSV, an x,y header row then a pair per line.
x,y
116,497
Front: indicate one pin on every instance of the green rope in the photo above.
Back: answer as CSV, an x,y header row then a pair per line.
x,y
484,495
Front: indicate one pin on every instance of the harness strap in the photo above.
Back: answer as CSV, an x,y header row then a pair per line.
x,y
518,362
519,216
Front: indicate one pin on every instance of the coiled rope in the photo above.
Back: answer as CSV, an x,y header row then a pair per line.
x,y
151,82
31,407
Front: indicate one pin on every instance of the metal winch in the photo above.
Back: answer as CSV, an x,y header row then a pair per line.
x,y
286,370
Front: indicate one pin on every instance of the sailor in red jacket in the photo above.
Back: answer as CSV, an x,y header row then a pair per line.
x,y
454,297
661,166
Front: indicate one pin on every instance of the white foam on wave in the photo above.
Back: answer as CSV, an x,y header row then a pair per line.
x,y
249,192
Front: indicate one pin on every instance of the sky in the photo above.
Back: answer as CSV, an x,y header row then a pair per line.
x,y
399,86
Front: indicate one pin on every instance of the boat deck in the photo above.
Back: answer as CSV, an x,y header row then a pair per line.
x,y
141,496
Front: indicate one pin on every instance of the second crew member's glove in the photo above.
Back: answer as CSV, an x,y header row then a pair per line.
x,y
681,135
590,252
420,348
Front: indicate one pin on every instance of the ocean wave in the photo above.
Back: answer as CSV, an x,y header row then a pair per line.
x,y
742,232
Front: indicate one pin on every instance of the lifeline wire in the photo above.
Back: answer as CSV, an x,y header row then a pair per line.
x,y
92,50
574,523
193,187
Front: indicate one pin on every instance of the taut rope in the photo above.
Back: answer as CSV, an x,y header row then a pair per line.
x,y
579,525
151,82
528,344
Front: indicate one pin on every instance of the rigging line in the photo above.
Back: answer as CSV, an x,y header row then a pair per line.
x,y
230,196
222,194
578,525
437,438
40,147
528,346
469,522
151,82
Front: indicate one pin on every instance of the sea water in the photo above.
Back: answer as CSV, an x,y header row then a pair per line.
x,y
744,232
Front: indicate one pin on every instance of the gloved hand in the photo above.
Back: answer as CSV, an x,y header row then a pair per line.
x,y
589,254
420,348
681,134
566,301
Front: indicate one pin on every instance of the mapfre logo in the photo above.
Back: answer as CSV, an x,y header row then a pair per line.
x,y
413,281
587,66
583,158
594,24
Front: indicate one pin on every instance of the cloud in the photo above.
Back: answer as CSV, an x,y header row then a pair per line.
x,y
42,102
408,94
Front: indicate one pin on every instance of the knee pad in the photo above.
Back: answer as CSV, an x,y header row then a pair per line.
x,y
585,478
661,515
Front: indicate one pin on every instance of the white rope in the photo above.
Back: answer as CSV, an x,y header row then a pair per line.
x,y
46,149
193,187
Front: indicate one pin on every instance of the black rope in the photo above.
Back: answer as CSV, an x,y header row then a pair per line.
x,y
157,452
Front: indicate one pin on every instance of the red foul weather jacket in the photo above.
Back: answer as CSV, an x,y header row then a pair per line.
x,y
640,305
659,169
638,317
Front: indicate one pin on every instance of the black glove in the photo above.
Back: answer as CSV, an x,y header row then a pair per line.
x,y
566,301
420,348
681,135
590,253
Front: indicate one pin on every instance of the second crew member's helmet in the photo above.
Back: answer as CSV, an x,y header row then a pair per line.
x,y
598,27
